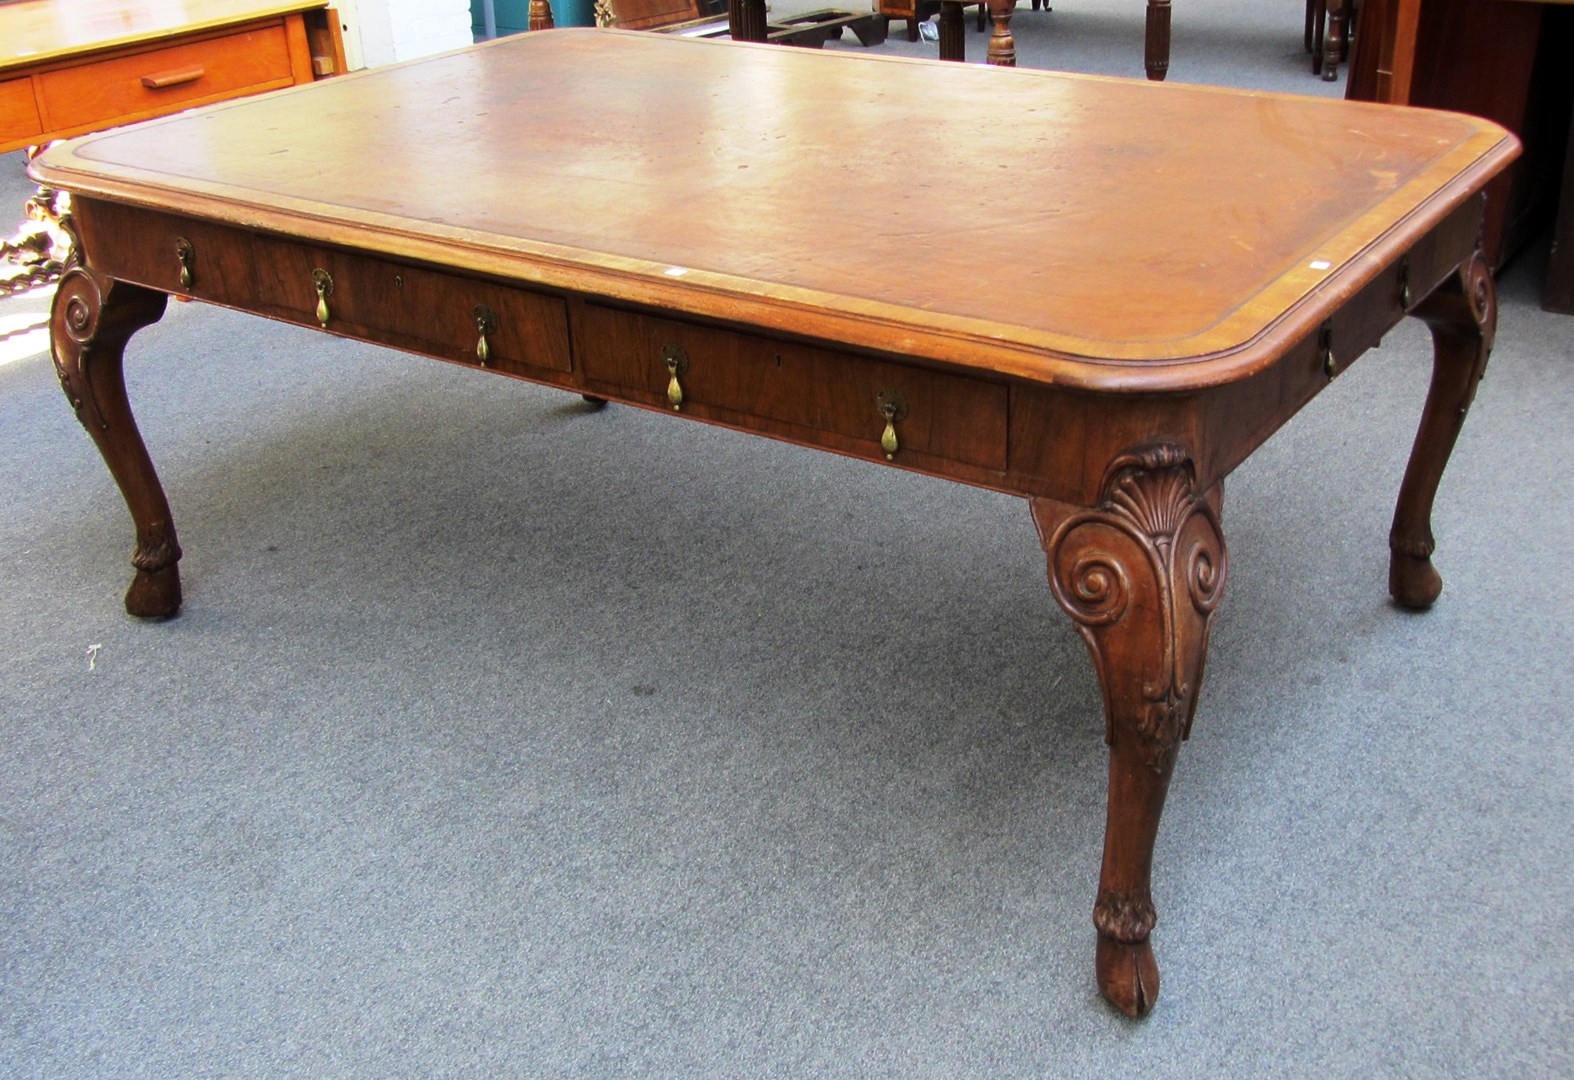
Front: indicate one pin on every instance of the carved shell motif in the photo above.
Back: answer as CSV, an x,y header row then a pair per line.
x,y
1151,542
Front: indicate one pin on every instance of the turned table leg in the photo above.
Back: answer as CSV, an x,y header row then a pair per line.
x,y
746,20
1141,574
1462,315
1156,52
540,16
953,37
92,319
1333,39
1002,46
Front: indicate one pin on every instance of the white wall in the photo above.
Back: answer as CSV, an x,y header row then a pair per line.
x,y
385,31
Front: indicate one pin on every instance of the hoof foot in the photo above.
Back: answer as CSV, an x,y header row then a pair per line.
x,y
1128,975
155,594
1412,581
596,403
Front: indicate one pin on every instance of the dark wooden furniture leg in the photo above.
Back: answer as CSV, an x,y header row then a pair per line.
x,y
746,20
1336,28
953,38
1141,574
92,319
1462,315
1002,46
1156,54
1558,291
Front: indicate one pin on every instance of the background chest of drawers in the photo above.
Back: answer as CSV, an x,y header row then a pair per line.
x,y
70,69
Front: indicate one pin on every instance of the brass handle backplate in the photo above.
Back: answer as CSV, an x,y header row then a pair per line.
x,y
323,282
677,362
187,256
485,323
893,408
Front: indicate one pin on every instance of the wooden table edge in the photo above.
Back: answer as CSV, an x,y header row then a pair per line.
x,y
944,339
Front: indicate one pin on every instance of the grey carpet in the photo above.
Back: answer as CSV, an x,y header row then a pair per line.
x,y
498,737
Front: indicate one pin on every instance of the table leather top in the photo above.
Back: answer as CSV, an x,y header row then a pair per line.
x,y
1057,226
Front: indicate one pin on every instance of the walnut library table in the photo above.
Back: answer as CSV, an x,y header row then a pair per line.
x,y
1103,305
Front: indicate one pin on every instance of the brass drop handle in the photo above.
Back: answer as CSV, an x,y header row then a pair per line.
x,y
187,256
888,441
893,407
677,362
1404,285
1330,362
324,284
485,323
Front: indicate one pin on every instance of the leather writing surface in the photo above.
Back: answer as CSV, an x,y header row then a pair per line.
x,y
1096,217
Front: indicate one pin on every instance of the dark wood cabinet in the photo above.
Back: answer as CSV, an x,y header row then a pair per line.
x,y
1505,60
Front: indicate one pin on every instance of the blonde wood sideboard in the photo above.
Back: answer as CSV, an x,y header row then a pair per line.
x,y
70,69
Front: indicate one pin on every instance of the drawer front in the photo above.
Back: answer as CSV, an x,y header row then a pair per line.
x,y
414,307
19,121
810,395
163,80
408,307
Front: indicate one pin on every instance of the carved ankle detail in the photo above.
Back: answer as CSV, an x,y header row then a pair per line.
x,y
1125,916
1417,547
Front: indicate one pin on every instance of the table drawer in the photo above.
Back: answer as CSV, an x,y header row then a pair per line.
x,y
415,308
817,396
18,114
163,80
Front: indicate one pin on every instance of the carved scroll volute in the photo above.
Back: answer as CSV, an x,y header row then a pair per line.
x,y
1142,575
90,323
93,317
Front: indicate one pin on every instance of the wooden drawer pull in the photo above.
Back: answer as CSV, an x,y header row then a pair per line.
x,y
165,79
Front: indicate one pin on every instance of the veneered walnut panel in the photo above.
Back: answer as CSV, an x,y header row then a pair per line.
x,y
412,307
18,112
816,392
417,308
157,80
140,247
1062,440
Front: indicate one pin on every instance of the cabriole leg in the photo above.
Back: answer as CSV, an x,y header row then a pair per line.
x,y
92,319
1462,315
1141,574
